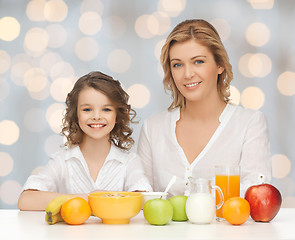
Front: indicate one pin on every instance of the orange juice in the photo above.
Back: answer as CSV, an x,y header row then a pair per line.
x,y
230,186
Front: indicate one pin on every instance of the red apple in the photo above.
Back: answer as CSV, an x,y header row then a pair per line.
x,y
265,202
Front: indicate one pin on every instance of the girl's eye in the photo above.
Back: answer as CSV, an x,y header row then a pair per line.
x,y
176,65
86,109
199,61
107,110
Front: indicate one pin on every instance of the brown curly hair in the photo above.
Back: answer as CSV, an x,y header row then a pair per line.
x,y
121,133
205,34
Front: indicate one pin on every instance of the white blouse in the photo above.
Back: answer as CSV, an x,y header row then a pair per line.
x,y
67,172
241,138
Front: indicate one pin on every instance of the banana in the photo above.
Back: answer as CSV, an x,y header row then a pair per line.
x,y
53,219
54,206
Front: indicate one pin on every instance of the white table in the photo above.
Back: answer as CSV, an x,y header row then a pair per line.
x,y
15,224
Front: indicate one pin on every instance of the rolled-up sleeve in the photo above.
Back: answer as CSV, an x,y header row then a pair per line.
x,y
47,179
135,176
256,156
144,151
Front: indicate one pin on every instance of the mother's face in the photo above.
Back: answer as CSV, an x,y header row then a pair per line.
x,y
194,70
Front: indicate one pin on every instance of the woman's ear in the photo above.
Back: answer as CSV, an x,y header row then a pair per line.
x,y
220,69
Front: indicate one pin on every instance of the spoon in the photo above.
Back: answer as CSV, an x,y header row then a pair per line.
x,y
172,181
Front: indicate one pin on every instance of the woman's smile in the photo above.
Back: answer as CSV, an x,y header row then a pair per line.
x,y
192,85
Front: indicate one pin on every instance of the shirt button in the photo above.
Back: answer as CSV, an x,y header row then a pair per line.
x,y
186,184
187,168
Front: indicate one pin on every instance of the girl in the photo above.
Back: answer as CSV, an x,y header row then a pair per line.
x,y
201,127
95,157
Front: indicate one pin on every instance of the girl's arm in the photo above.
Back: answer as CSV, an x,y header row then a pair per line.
x,y
34,200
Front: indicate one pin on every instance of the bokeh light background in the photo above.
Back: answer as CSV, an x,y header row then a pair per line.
x,y
46,45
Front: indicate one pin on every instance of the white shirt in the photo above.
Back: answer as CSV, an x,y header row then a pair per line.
x,y
241,138
67,172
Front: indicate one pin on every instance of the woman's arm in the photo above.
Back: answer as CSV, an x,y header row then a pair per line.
x,y
34,200
256,155
135,179
145,153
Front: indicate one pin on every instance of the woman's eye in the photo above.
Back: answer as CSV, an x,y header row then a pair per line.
x,y
176,65
199,61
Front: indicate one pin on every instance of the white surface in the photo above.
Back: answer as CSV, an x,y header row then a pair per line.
x,y
15,224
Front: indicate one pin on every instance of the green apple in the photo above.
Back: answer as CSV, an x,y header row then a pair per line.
x,y
158,211
178,203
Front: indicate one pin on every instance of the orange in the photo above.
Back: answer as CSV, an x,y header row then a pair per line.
x,y
236,210
75,211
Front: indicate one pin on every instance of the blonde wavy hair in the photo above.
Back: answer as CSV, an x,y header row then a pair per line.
x,y
204,33
121,133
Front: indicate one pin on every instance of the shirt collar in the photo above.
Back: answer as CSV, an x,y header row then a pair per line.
x,y
114,154
117,154
224,116
73,152
175,114
226,113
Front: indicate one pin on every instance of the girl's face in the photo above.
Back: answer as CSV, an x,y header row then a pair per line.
x,y
194,71
96,114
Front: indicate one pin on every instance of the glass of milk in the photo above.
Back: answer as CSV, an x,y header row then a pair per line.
x,y
200,205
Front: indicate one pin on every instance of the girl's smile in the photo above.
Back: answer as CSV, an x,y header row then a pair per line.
x,y
96,125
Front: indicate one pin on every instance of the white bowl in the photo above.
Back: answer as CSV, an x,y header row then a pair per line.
x,y
152,195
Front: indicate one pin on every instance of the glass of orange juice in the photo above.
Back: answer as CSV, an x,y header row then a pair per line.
x,y
228,179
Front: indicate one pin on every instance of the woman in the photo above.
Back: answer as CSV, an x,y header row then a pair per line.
x,y
201,128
